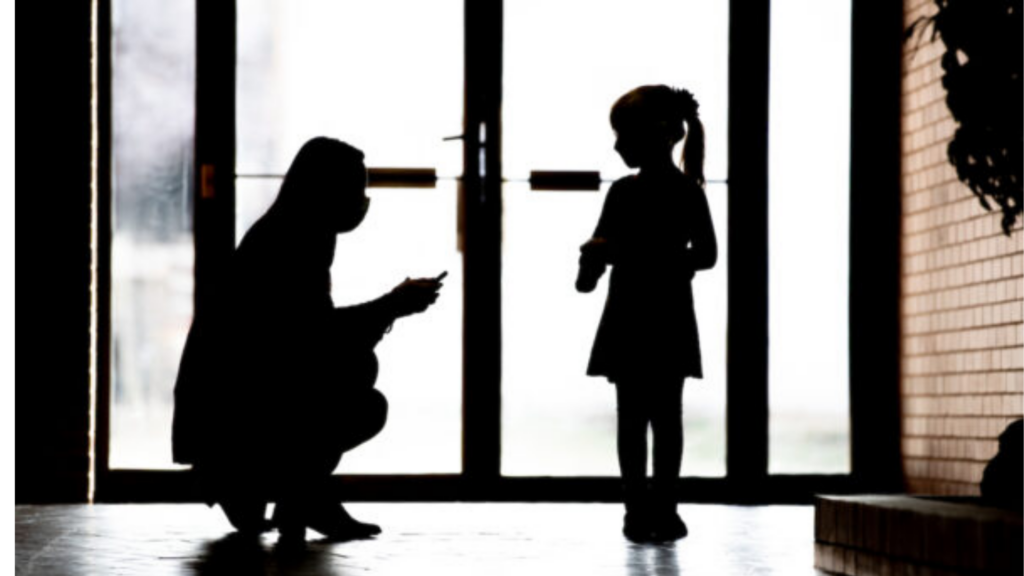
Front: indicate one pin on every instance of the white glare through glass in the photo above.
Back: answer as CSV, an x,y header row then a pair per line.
x,y
809,237
566,62
385,76
407,232
152,253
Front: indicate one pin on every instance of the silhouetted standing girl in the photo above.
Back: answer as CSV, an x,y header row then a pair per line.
x,y
655,231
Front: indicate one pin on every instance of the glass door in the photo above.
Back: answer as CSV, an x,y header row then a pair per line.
x,y
385,76
491,382
809,223
565,63
152,114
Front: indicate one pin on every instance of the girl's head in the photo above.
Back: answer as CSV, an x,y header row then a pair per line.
x,y
325,187
650,120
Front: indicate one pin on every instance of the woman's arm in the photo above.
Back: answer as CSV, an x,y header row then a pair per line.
x,y
365,324
368,322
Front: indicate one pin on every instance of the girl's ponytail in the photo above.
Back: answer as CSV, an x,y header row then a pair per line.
x,y
692,160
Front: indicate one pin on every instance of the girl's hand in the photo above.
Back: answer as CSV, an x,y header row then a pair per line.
x,y
593,259
595,251
415,295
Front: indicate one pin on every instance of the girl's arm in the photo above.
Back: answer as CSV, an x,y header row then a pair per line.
x,y
600,248
703,251
595,254
606,222
593,261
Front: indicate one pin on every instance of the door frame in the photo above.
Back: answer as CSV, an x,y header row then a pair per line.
x,y
874,267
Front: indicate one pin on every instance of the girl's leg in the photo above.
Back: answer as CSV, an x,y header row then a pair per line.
x,y
667,425
632,435
632,449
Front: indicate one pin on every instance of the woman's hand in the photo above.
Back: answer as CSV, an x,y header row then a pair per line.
x,y
414,295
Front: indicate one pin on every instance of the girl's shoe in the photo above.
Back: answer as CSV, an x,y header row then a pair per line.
x,y
636,527
668,526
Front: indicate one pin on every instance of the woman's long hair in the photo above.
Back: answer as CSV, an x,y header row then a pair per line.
x,y
320,160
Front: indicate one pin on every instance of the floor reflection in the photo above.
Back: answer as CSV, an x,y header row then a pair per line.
x,y
652,559
447,538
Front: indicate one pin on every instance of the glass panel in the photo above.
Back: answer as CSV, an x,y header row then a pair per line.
x,y
376,75
152,250
557,93
385,76
556,104
809,237
556,421
408,232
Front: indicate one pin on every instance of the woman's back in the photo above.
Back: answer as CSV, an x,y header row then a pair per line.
x,y
650,221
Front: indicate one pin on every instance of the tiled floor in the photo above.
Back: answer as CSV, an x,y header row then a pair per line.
x,y
418,539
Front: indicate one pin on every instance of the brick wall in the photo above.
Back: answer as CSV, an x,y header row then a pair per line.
x,y
962,295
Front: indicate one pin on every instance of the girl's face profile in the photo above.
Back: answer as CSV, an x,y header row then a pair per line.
x,y
638,146
626,147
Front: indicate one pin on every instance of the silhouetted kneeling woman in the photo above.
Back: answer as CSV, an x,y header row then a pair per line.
x,y
655,231
275,382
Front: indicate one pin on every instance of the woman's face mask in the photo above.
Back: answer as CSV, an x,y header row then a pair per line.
x,y
364,210
350,219
351,203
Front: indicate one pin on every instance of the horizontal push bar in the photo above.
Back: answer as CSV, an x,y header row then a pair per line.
x,y
565,180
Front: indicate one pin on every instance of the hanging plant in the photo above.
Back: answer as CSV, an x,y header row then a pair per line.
x,y
983,67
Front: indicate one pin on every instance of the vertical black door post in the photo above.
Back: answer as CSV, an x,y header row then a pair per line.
x,y
482,211
215,142
747,339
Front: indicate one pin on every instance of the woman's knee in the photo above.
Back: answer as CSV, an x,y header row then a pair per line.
x,y
366,416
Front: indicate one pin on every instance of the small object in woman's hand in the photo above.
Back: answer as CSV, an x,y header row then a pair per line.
x,y
415,295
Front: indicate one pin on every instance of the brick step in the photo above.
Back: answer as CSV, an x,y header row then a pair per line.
x,y
924,536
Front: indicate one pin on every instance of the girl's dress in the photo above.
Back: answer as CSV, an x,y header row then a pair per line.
x,y
649,327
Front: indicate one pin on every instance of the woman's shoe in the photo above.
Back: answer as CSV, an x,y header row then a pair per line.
x,y
290,525
246,515
337,524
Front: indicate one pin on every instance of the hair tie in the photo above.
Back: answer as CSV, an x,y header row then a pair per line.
x,y
687,103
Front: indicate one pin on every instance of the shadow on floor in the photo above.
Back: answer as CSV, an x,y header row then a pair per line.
x,y
238,555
